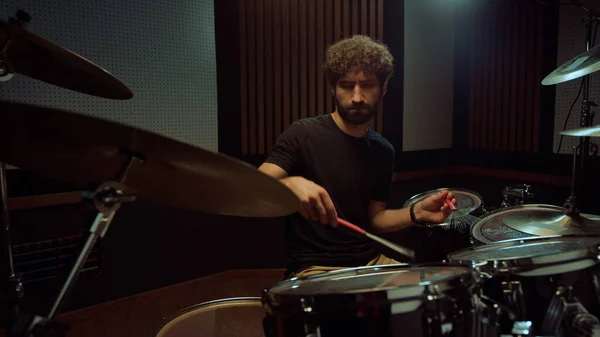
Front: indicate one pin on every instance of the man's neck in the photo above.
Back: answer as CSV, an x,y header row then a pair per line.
x,y
348,128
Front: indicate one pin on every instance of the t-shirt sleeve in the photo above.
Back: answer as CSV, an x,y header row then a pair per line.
x,y
286,150
383,186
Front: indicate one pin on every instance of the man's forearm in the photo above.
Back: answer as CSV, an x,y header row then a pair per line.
x,y
391,220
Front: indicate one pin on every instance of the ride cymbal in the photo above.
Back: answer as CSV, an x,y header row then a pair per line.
x,y
589,131
86,151
579,66
24,52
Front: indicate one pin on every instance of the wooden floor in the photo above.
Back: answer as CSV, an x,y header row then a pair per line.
x,y
139,315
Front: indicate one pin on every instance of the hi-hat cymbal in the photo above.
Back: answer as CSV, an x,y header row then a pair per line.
x,y
579,66
33,56
590,131
85,151
545,220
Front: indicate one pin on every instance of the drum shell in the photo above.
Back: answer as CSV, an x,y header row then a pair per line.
x,y
449,308
538,292
524,275
227,317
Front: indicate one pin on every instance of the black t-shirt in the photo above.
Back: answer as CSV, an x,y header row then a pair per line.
x,y
352,170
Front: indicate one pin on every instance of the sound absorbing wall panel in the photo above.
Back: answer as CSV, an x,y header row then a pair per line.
x,y
163,50
505,41
282,48
428,74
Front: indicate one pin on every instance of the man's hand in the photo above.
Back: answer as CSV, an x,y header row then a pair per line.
x,y
317,204
434,208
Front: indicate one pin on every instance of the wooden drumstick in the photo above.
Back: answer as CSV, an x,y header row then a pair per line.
x,y
451,205
391,245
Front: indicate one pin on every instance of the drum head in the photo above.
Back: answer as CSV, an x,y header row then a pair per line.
x,y
223,318
534,255
467,202
495,226
369,279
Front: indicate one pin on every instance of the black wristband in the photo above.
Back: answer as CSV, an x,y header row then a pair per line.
x,y
413,218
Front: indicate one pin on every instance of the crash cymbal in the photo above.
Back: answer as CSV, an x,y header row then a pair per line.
x,y
579,66
545,220
85,151
26,53
590,131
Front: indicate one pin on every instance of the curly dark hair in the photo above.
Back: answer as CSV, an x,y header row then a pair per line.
x,y
358,53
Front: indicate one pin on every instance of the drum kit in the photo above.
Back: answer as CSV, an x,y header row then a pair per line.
x,y
523,269
528,269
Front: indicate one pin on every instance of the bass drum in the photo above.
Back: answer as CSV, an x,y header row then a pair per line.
x,y
382,301
229,317
495,226
439,241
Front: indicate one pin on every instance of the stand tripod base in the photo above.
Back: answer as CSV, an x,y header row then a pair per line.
x,y
31,325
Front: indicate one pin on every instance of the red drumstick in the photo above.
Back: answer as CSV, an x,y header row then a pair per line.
x,y
391,245
450,204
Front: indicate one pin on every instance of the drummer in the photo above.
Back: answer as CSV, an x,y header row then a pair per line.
x,y
340,167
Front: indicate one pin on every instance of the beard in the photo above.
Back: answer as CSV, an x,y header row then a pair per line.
x,y
357,114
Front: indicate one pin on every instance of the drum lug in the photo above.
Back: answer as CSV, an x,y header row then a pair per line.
x,y
310,329
513,294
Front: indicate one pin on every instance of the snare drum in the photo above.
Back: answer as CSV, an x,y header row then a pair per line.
x,y
229,317
439,241
531,277
383,301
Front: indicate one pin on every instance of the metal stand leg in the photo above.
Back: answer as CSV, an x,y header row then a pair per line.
x,y
11,288
111,195
571,203
107,199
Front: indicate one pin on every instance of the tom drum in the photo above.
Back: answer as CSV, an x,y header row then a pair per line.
x,y
439,241
383,301
545,282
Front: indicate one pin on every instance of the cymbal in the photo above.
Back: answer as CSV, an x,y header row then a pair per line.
x,y
589,131
545,220
33,56
86,151
579,66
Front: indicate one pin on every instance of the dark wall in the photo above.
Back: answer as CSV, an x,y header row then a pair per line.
x,y
503,115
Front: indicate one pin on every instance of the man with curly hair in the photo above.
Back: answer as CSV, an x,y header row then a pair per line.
x,y
340,167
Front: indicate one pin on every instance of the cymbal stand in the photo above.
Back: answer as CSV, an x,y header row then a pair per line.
x,y
11,286
586,114
571,202
107,198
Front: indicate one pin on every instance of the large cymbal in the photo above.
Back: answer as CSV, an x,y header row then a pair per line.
x,y
33,56
589,131
86,150
579,66
544,220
